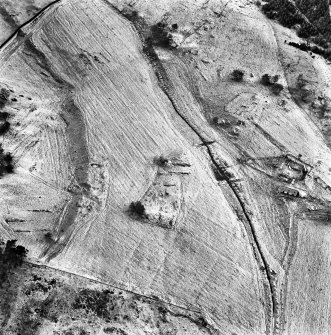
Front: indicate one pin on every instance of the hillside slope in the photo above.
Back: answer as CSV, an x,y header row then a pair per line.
x,y
142,162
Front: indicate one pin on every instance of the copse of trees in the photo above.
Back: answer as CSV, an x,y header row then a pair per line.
x,y
268,80
4,95
6,162
304,90
311,19
137,208
4,127
326,53
160,35
11,257
237,75
272,83
6,159
276,88
4,98
288,14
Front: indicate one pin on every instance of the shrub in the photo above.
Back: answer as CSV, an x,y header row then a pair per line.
x,y
237,75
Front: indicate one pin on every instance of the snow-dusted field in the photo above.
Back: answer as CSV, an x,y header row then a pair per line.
x,y
229,180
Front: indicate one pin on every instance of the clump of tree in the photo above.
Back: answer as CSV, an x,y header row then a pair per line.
x,y
4,127
4,124
162,161
174,26
6,162
160,35
323,106
132,15
272,83
268,80
4,116
304,89
324,52
320,40
288,14
4,96
137,208
98,302
317,12
11,257
311,20
276,88
237,75
48,237
6,159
